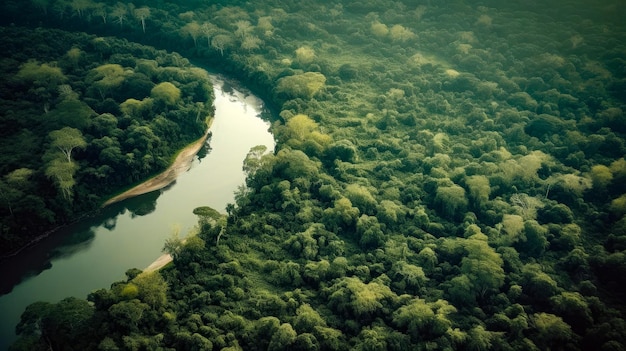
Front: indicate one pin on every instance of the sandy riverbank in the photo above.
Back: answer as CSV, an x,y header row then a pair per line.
x,y
180,165
159,263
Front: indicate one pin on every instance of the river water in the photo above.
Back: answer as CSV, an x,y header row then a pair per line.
x,y
97,251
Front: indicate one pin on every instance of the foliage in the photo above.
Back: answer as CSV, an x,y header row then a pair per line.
x,y
88,116
482,144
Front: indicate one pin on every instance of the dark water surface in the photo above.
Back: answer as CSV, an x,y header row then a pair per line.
x,y
97,251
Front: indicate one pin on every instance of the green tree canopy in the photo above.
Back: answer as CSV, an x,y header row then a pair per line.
x,y
304,85
166,92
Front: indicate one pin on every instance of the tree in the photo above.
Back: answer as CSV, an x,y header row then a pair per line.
x,y
152,289
400,33
70,112
166,92
479,339
221,42
451,200
63,175
209,29
551,333
107,77
14,185
80,6
66,140
194,30
283,338
479,189
257,160
369,232
101,11
43,75
142,14
307,319
483,265
127,314
535,241
120,11
379,29
73,55
57,326
425,321
356,299
342,214
301,126
412,277
173,245
305,55
42,5
136,108
211,217
361,197
243,28
304,85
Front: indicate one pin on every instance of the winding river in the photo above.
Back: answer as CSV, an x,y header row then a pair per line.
x,y
97,251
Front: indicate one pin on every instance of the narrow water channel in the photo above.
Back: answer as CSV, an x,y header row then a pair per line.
x,y
97,251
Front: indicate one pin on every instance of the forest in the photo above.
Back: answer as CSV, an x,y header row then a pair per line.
x,y
448,175
83,117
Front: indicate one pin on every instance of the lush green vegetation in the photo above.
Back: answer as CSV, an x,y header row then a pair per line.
x,y
448,175
82,117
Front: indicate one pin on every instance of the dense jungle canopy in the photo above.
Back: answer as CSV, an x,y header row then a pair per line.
x,y
82,117
448,175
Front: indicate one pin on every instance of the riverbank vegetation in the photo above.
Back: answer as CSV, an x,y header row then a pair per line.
x,y
448,175
84,117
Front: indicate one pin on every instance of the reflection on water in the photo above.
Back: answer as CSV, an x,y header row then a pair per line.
x,y
96,251
71,240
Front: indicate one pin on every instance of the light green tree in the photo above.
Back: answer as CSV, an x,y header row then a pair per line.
x,y
119,12
142,14
193,30
307,318
80,6
152,289
255,159
305,55
251,43
451,200
107,77
304,85
379,29
483,265
361,197
551,332
479,188
401,33
14,185
166,92
45,75
222,42
67,140
283,338
62,173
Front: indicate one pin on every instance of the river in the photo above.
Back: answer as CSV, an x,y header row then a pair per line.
x,y
97,251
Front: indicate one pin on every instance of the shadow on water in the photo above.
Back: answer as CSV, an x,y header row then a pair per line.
x,y
70,240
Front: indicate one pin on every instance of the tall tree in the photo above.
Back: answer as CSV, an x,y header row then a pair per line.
x,y
13,185
66,140
120,11
141,14
194,30
63,174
